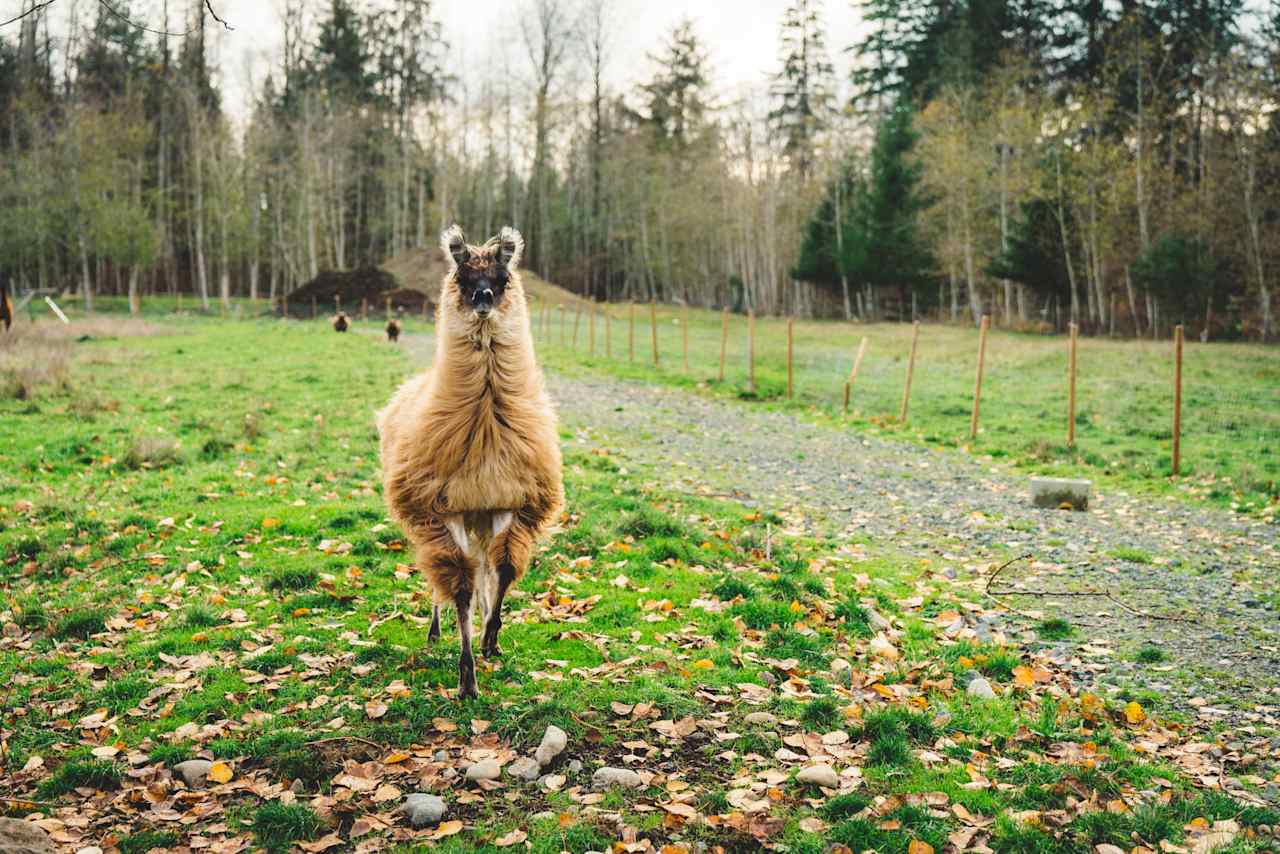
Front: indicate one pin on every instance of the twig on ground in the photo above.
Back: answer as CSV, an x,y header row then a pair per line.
x,y
33,802
332,739
1103,594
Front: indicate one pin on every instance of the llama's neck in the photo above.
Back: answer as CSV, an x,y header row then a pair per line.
x,y
489,356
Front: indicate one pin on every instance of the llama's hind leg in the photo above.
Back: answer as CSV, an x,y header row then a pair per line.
x,y
433,633
464,600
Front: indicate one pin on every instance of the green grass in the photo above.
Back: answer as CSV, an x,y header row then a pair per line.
x,y
266,578
1231,415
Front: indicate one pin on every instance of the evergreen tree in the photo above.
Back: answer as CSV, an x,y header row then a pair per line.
x,y
677,96
803,88
342,56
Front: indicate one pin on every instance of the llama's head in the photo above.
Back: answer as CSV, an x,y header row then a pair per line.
x,y
481,275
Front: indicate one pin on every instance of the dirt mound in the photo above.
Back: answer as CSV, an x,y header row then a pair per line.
x,y
351,287
408,301
422,269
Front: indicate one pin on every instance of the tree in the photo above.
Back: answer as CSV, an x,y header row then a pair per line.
x,y
803,88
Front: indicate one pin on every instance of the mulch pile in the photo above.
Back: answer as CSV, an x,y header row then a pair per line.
x,y
352,288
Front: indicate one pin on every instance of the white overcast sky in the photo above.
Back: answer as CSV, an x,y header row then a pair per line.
x,y
741,35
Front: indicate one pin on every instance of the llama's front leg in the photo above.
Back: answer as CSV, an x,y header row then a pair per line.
x,y
502,568
463,600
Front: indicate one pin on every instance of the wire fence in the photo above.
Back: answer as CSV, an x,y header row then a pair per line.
x,y
1125,390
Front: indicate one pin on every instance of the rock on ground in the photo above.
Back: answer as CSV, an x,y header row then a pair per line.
x,y
23,837
193,771
761,719
486,769
423,809
981,688
553,744
525,769
606,777
820,775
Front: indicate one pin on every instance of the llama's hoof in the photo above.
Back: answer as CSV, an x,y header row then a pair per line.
x,y
468,692
434,635
492,650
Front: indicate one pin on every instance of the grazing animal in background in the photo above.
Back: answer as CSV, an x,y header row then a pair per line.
x,y
393,330
340,323
6,305
470,452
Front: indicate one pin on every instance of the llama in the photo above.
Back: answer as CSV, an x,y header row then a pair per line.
x,y
393,330
6,307
470,453
340,323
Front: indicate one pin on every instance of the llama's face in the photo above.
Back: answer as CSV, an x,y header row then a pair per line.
x,y
482,274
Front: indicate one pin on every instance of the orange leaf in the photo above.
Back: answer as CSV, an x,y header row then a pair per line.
x,y
918,847
1134,714
447,828
1023,676
220,772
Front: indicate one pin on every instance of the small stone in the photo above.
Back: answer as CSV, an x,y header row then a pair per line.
x,y
877,619
553,744
981,688
820,775
574,766
23,837
423,809
485,769
296,787
607,776
193,771
525,769
1060,493
768,678
761,719
440,756
545,815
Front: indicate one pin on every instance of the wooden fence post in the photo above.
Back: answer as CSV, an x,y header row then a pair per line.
x,y
724,338
561,307
591,331
751,349
337,303
284,306
911,367
791,322
314,311
1177,400
577,316
977,382
631,333
853,375
608,332
425,303
388,301
1071,389
653,329
364,308
684,323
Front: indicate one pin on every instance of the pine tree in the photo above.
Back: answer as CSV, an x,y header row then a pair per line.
x,y
803,88
677,95
342,55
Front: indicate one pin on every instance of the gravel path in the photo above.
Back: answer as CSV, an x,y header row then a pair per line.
x,y
1196,584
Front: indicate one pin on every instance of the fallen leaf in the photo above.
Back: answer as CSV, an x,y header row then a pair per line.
x,y
1134,714
220,772
447,828
918,847
515,837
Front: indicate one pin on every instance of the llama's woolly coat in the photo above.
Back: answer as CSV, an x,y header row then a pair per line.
x,y
473,435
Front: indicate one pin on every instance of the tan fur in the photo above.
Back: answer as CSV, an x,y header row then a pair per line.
x,y
472,437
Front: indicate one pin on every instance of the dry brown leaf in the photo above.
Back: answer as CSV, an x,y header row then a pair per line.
x,y
515,837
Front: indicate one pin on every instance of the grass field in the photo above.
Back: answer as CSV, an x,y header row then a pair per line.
x,y
195,561
1231,393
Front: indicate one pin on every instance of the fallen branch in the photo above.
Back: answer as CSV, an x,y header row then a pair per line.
x,y
1097,594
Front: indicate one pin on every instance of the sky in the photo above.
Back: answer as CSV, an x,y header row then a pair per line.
x,y
742,37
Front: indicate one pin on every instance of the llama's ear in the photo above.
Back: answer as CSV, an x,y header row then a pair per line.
x,y
510,247
454,245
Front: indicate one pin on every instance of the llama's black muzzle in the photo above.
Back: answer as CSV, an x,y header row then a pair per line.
x,y
482,301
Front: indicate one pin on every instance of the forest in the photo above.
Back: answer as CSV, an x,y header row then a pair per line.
x,y
1038,161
